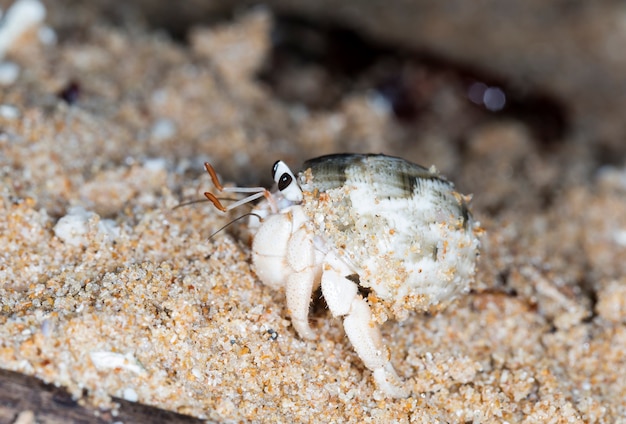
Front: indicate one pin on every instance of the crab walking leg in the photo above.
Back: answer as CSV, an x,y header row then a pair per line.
x,y
367,342
301,257
285,256
269,248
299,290
341,295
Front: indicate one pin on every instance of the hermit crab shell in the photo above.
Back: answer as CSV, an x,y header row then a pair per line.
x,y
403,229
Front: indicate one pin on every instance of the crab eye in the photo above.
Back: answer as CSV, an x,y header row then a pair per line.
x,y
286,181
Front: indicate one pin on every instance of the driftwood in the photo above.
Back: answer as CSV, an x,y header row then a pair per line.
x,y
25,399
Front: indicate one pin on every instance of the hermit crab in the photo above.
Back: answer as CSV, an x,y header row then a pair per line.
x,y
380,235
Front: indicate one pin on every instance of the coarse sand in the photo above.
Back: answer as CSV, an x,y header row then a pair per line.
x,y
109,291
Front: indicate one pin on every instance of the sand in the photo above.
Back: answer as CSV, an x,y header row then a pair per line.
x,y
109,291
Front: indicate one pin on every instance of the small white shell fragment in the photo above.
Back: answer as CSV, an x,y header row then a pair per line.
x,y
74,227
105,360
130,394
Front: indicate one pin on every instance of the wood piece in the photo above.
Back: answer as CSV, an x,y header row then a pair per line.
x,y
20,394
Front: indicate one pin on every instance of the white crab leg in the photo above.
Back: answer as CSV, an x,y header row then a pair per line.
x,y
343,299
299,289
269,249
284,258
248,199
301,257
367,342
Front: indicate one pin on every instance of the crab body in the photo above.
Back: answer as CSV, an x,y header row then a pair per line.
x,y
351,223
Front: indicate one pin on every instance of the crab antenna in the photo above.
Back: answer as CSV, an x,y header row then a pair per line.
x,y
235,220
213,174
191,202
216,202
257,192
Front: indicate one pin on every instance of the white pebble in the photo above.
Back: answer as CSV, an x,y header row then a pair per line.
x,y
104,360
73,227
9,111
9,72
130,395
163,129
155,164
